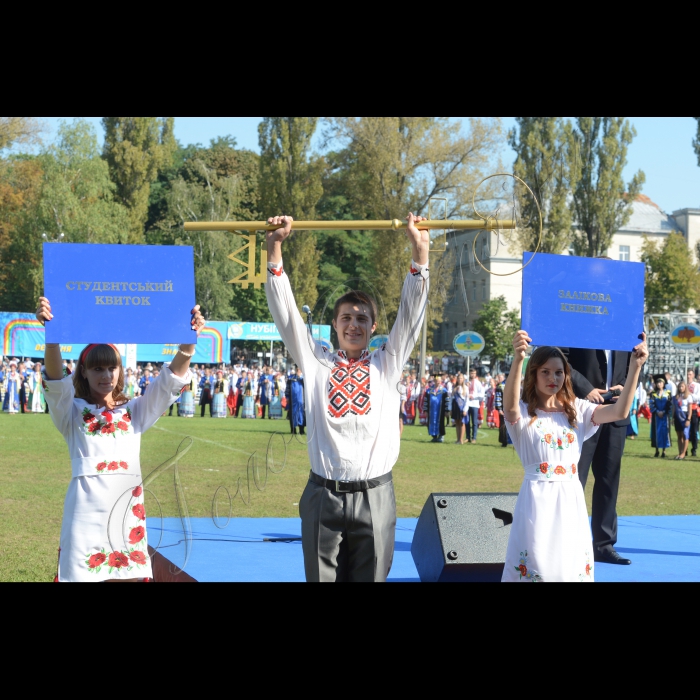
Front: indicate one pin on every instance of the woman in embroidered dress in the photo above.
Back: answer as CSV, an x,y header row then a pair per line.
x,y
459,407
13,383
218,407
276,400
103,536
550,538
682,404
36,390
248,398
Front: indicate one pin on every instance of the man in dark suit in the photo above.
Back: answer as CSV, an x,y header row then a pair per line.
x,y
593,372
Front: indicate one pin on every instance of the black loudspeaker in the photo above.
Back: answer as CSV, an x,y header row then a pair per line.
x,y
463,536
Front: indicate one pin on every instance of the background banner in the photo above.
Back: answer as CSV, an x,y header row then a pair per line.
x,y
131,293
582,302
23,336
268,331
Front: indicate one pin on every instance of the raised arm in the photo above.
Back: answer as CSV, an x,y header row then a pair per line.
x,y
621,408
181,361
511,393
53,362
419,239
280,298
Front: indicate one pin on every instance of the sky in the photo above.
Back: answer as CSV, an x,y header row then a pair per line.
x,y
662,149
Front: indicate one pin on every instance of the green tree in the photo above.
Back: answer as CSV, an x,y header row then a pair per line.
x,y
546,161
497,325
136,149
696,140
218,183
19,130
73,199
672,277
388,166
602,203
290,183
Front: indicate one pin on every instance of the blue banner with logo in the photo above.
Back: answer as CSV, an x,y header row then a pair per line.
x,y
269,332
582,302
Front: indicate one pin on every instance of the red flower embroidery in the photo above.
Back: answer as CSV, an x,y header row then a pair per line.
x,y
127,417
113,466
123,465
102,466
588,569
138,557
137,534
560,470
122,425
96,560
137,492
107,416
559,442
118,559
88,418
139,511
543,467
570,437
108,429
523,570
548,438
573,468
93,428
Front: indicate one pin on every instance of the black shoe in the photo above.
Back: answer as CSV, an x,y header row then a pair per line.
x,y
656,454
610,557
693,453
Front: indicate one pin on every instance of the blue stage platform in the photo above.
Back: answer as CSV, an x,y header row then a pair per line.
x,y
662,548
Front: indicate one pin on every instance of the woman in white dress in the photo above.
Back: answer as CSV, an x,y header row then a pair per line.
x,y
36,390
103,535
550,538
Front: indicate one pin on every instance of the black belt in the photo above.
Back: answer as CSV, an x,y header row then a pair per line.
x,y
350,486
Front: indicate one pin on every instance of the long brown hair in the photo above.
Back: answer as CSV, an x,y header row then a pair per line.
x,y
566,393
99,356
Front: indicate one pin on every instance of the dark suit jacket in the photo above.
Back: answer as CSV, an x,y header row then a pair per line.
x,y
589,370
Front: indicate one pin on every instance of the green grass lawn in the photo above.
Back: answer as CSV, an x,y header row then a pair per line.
x,y
34,474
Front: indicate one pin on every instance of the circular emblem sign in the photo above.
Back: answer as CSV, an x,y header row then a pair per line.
x,y
468,344
685,336
235,331
377,342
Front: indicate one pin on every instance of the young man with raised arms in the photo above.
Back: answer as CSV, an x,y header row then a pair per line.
x,y
348,510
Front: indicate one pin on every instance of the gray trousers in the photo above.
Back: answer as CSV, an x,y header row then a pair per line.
x,y
347,536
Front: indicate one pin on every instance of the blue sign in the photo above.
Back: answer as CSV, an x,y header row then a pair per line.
x,y
468,344
119,293
376,342
269,332
582,302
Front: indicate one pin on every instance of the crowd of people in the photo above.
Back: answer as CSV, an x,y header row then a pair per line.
x,y
670,407
237,390
442,400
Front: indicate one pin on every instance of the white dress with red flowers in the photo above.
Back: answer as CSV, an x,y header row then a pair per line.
x,y
550,538
103,535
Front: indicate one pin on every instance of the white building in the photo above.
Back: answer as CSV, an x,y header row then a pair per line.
x,y
472,286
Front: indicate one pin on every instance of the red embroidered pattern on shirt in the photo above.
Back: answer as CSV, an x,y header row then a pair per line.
x,y
275,272
348,389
